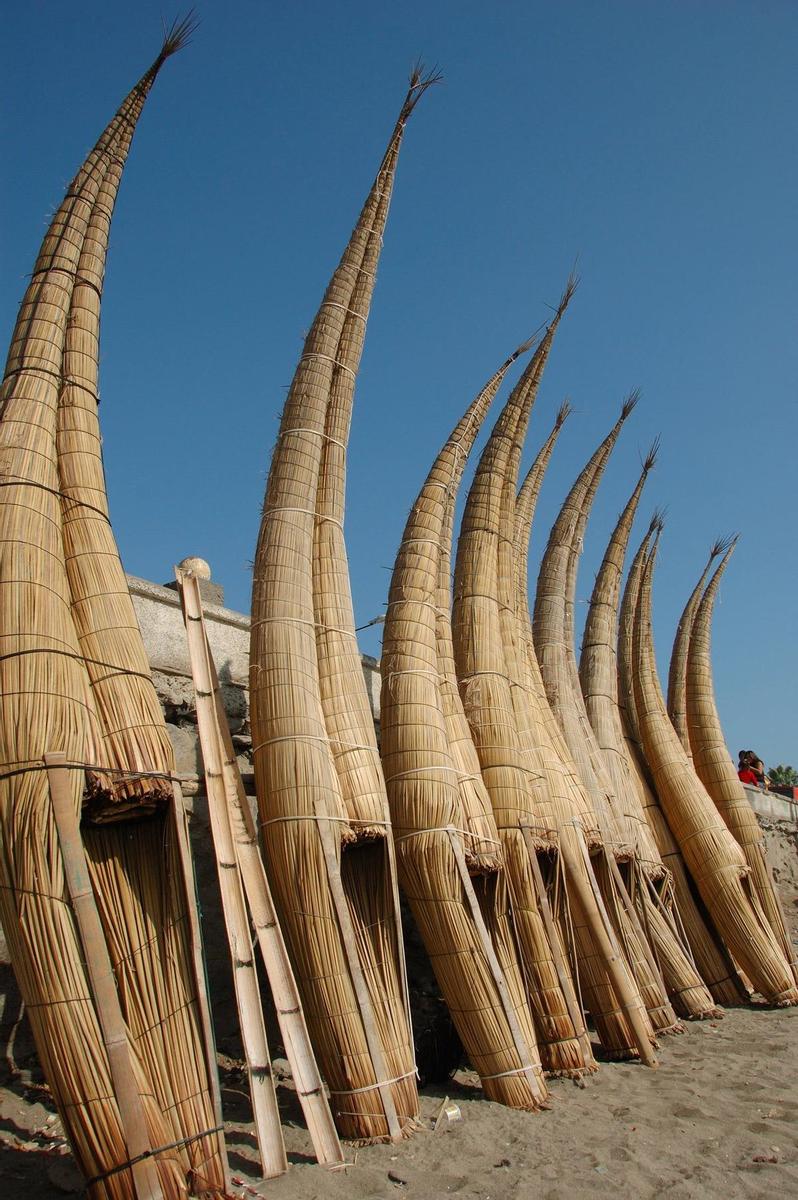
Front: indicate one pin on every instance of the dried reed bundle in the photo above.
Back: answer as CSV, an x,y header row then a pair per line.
x,y
347,975
483,851
677,671
711,854
706,947
715,768
554,626
133,732
598,681
44,676
372,877
622,1025
538,727
348,718
598,678
553,634
463,924
484,646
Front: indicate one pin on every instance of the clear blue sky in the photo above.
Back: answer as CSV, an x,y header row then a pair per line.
x,y
655,140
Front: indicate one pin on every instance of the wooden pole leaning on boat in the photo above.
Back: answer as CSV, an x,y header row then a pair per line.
x,y
266,1115
560,962
146,1184
529,1069
592,902
243,836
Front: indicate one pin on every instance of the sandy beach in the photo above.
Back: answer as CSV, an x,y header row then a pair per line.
x,y
717,1119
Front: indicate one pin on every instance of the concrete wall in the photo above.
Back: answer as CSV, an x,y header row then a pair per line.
x,y
771,805
158,611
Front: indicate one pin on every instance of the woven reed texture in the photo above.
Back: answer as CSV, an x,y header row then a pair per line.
x,y
566,1046
133,732
557,775
483,646
426,801
347,712
715,768
554,625
706,946
297,781
711,854
43,676
483,845
540,732
599,681
553,635
677,670
348,718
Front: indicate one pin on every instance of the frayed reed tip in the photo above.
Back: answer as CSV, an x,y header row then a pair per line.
x,y
651,457
178,35
630,403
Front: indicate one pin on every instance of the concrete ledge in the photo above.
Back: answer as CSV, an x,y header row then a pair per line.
x,y
771,805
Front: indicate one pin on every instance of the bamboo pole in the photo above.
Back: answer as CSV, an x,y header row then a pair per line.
x,y
250,864
266,1116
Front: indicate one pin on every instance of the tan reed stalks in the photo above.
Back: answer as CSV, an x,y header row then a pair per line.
x,y
429,809
348,718
711,854
677,670
715,768
226,793
603,975
346,970
705,944
598,678
554,630
483,850
43,674
483,623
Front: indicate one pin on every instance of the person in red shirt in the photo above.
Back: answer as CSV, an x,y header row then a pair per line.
x,y
747,769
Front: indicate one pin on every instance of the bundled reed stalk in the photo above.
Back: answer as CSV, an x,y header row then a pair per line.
x,y
340,927
554,643
598,678
677,671
483,850
603,975
43,675
483,643
372,884
430,808
715,768
553,634
705,944
541,735
134,744
713,858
